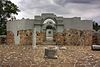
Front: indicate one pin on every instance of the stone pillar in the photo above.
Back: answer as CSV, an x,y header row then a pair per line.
x,y
34,38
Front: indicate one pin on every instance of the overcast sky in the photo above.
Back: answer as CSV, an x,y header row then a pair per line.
x,y
87,9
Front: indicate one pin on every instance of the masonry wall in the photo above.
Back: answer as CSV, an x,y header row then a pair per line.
x,y
68,37
40,38
10,38
74,37
77,23
77,31
25,37
16,25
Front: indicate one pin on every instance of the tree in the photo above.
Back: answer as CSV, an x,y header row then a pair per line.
x,y
7,8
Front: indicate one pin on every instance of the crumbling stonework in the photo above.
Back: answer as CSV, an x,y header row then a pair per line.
x,y
59,38
40,37
25,37
10,38
87,37
74,37
68,37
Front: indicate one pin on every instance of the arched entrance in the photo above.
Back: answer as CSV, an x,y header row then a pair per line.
x,y
49,29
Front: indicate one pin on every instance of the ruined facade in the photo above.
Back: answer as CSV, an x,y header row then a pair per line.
x,y
50,29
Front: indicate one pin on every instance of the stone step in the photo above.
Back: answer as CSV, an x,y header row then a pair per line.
x,y
49,43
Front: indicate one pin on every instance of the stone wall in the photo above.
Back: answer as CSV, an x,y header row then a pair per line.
x,y
40,37
87,37
25,37
10,38
59,38
74,37
68,37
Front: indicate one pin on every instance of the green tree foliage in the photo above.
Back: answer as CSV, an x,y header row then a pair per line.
x,y
96,27
7,8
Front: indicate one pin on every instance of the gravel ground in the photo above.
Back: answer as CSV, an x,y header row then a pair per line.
x,y
26,56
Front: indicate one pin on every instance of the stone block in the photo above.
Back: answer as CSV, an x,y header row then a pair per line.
x,y
40,36
72,37
10,38
59,38
78,37
51,52
25,37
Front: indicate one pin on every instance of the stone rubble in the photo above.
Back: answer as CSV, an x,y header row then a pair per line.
x,y
72,56
10,38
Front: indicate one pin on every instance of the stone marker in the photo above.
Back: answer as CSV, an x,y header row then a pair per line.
x,y
51,52
95,47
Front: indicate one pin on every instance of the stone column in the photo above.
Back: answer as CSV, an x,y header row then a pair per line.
x,y
34,38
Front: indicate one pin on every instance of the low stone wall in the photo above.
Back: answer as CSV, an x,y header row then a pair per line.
x,y
40,37
10,38
59,38
68,37
86,37
25,37
74,37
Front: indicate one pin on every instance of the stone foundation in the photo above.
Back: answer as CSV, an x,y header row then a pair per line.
x,y
68,37
59,38
40,38
86,38
25,37
74,37
10,38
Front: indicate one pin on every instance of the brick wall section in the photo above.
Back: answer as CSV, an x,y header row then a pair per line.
x,y
74,37
40,37
10,38
25,37
68,37
87,37
59,38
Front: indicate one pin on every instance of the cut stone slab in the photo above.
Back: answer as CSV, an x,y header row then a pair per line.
x,y
51,52
95,47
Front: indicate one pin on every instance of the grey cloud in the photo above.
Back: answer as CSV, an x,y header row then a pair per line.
x,y
64,2
67,8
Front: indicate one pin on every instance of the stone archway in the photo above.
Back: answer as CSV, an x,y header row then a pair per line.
x,y
49,28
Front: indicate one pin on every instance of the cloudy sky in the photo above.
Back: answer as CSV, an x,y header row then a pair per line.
x,y
87,9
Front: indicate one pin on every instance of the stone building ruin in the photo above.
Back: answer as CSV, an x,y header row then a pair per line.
x,y
50,29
